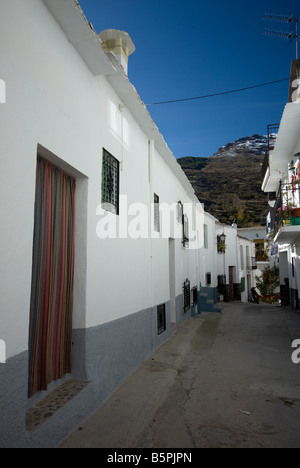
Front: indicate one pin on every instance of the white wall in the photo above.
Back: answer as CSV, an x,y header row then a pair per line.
x,y
245,246
208,263
230,258
56,104
50,93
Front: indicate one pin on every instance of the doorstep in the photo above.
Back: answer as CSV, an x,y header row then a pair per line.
x,y
42,411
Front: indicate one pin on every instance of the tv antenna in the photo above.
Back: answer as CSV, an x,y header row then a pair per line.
x,y
293,34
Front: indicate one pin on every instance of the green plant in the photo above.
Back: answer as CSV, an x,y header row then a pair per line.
x,y
221,247
286,212
262,257
269,281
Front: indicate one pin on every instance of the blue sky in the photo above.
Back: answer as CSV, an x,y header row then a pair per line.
x,y
187,48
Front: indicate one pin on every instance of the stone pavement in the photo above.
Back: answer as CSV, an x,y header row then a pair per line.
x,y
222,380
48,406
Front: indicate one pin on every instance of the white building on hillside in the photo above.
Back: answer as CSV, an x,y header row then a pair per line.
x,y
281,175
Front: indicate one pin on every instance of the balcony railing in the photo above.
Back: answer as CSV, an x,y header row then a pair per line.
x,y
272,136
286,209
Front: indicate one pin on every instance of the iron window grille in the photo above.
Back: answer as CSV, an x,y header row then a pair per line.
x,y
161,319
185,231
156,213
186,295
222,280
180,212
293,267
110,183
208,279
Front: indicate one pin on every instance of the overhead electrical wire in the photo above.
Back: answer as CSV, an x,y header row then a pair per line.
x,y
205,96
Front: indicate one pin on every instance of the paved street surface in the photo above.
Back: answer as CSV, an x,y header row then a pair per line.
x,y
223,380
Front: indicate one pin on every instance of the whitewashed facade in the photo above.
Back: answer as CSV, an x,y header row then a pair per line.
x,y
281,180
139,269
68,100
236,264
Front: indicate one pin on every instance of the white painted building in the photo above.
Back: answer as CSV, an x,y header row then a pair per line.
x,y
105,248
248,267
266,252
236,264
81,155
281,180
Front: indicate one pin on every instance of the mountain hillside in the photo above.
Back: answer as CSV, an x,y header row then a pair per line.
x,y
229,182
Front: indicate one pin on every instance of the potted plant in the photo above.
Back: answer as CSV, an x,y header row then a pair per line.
x,y
285,213
295,212
262,257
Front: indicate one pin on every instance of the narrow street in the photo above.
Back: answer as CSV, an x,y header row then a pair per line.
x,y
223,380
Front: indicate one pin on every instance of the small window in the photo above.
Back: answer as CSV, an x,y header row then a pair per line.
x,y
110,183
260,253
185,233
156,213
222,280
161,319
180,212
208,279
242,257
293,267
205,236
186,295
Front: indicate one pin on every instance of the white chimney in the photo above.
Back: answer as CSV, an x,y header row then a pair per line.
x,y
119,43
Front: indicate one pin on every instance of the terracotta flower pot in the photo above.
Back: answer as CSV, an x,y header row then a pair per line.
x,y
296,212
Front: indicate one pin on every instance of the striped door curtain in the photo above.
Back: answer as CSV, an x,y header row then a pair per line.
x,y
50,328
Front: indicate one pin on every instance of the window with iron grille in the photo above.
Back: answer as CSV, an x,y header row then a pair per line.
x,y
185,233
156,213
260,253
222,280
186,295
180,212
161,319
110,183
208,279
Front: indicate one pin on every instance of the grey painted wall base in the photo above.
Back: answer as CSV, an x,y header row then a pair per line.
x,y
207,299
106,355
294,300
